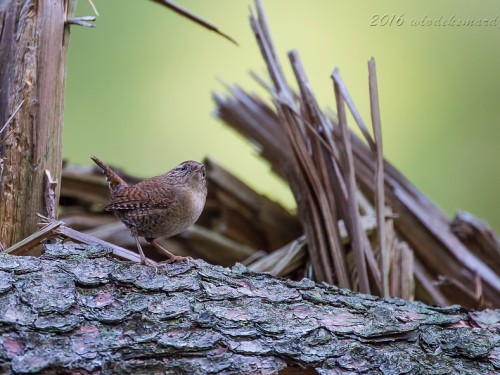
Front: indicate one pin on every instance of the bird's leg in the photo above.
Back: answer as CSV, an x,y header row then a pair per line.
x,y
171,257
139,248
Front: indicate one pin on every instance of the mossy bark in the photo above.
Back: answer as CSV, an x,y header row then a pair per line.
x,y
78,310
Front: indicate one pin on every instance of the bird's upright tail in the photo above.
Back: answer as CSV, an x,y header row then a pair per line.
x,y
112,177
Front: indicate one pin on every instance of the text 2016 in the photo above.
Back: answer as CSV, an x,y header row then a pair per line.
x,y
387,20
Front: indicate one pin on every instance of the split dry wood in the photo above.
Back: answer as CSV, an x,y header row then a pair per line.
x,y
332,173
415,214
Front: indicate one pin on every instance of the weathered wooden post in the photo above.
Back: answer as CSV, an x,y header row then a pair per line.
x,y
33,46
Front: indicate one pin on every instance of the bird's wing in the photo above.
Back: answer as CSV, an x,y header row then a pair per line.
x,y
146,194
160,191
129,198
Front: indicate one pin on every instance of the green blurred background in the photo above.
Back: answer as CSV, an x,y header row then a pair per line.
x,y
139,86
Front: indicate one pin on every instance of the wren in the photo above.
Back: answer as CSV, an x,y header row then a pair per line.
x,y
160,206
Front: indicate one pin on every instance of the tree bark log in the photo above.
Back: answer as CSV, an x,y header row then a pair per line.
x,y
33,46
77,310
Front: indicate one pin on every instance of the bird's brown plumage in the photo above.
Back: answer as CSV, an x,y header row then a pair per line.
x,y
160,206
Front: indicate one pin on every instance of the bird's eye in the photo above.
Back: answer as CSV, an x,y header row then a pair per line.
x,y
184,167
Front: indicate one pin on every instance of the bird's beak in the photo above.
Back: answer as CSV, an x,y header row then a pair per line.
x,y
200,170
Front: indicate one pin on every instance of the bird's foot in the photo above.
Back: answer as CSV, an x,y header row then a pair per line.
x,y
147,262
171,257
